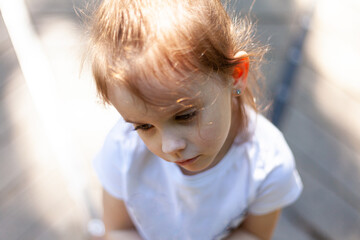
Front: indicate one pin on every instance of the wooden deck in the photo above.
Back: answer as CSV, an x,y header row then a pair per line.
x,y
39,197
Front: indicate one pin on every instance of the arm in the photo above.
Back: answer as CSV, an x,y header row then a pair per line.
x,y
257,227
118,224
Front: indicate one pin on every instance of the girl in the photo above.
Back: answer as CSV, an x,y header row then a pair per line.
x,y
190,157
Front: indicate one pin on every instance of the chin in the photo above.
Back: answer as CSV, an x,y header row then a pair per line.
x,y
196,169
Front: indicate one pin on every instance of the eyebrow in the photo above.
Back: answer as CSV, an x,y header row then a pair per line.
x,y
130,121
174,111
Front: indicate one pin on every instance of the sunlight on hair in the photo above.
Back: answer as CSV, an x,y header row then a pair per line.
x,y
165,18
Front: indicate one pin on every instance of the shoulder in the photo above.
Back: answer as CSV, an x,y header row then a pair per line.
x,y
115,157
274,179
121,132
121,139
267,146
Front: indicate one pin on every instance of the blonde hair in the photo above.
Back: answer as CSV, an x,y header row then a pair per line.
x,y
161,44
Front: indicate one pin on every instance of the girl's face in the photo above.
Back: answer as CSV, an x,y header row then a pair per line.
x,y
195,138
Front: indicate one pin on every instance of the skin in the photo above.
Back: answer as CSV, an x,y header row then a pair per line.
x,y
203,132
200,131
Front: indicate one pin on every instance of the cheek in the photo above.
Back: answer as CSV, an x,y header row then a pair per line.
x,y
214,134
152,144
215,125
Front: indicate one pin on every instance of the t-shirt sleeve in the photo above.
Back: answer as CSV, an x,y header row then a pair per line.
x,y
280,187
107,166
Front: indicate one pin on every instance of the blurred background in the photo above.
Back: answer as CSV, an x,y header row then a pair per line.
x,y
51,123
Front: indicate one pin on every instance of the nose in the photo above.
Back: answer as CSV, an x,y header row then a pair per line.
x,y
172,143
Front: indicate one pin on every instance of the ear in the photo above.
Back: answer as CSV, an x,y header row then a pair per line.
x,y
241,71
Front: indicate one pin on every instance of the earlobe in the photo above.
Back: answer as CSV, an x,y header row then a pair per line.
x,y
241,70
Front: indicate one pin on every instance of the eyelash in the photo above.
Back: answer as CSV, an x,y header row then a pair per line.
x,y
143,127
186,117
183,118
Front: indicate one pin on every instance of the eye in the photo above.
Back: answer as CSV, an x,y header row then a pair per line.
x,y
186,117
143,127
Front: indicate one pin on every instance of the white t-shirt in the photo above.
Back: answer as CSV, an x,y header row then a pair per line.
x,y
255,177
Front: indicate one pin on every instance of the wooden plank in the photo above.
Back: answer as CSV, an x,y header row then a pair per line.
x,y
332,107
13,112
39,8
23,156
65,227
339,164
36,208
332,46
288,228
8,66
332,112
277,36
26,182
274,11
325,210
12,173
328,203
5,43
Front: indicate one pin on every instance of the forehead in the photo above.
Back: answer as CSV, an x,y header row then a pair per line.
x,y
164,87
133,108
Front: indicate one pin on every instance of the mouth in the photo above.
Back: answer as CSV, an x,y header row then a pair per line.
x,y
187,161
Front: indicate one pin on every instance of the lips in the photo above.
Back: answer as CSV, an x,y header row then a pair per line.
x,y
187,161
